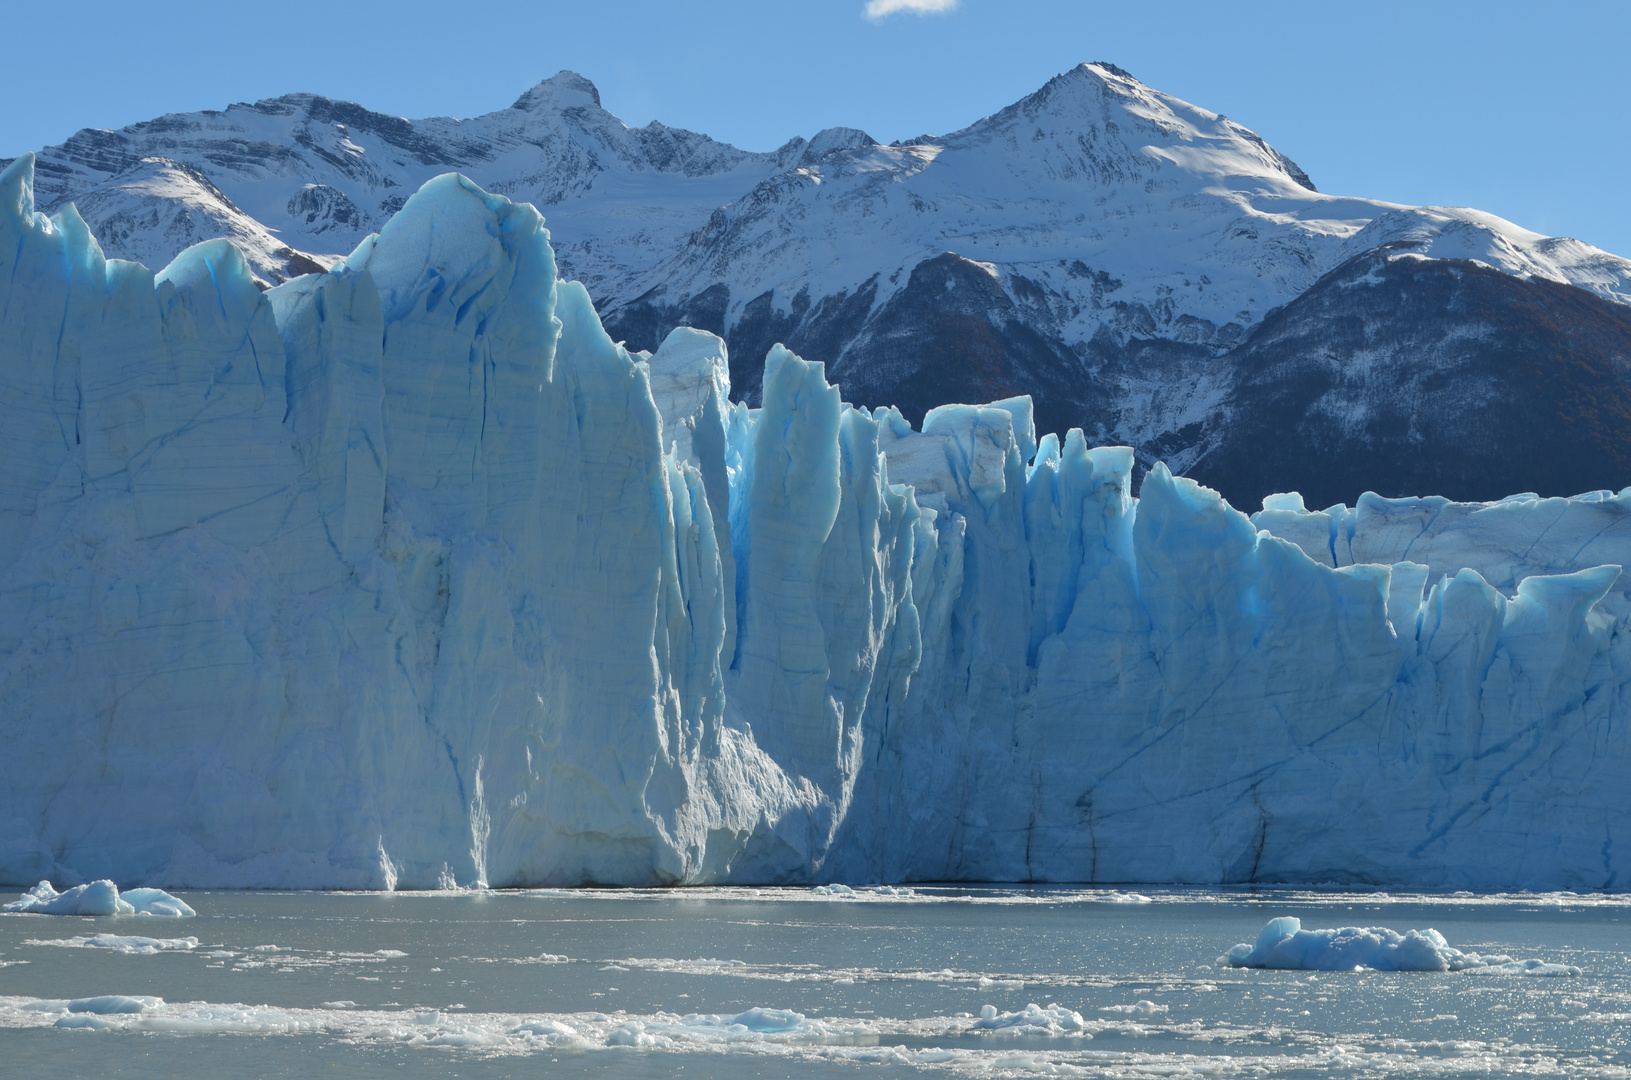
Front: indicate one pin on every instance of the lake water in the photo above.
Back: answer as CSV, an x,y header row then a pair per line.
x,y
793,982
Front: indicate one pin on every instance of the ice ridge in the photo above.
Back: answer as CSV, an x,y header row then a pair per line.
x,y
407,575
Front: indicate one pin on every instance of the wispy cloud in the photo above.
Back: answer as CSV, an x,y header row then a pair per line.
x,y
878,9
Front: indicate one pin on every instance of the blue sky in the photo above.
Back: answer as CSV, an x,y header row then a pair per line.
x,y
1516,108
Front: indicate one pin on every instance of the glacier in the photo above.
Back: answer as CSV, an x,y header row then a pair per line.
x,y
406,575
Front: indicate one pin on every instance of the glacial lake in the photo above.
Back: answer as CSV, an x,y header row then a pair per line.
x,y
801,983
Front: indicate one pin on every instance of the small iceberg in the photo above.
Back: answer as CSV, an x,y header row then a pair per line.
x,y
1285,945
99,898
1033,1019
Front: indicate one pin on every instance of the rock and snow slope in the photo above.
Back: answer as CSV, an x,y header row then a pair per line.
x,y
1108,249
406,574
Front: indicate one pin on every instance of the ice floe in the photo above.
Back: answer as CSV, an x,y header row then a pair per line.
x,y
120,943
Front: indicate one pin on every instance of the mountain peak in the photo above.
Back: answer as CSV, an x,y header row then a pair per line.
x,y
560,90
1112,69
830,140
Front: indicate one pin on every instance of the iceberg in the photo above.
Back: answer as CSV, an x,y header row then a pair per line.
x,y
1284,944
407,575
99,898
1033,1020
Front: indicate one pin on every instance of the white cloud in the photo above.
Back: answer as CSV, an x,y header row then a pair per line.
x,y
878,9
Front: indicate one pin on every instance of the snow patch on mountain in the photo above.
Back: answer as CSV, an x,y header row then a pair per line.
x,y
1135,212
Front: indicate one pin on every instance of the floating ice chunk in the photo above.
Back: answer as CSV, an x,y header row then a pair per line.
x,y
1143,1007
1033,1019
833,890
632,1033
112,1003
157,902
765,1020
94,898
98,898
140,946
545,1029
1284,944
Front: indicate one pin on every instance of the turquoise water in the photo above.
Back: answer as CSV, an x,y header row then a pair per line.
x,y
794,982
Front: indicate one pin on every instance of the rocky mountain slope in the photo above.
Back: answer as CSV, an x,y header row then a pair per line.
x,y
1111,250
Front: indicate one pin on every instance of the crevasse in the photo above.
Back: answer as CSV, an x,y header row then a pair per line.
x,y
406,575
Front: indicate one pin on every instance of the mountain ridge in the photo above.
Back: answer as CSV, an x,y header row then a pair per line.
x,y
1099,244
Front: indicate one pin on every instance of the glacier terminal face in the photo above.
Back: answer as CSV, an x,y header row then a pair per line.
x,y
408,575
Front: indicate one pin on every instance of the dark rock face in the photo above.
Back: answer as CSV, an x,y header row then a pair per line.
x,y
1405,375
1394,373
954,334
323,208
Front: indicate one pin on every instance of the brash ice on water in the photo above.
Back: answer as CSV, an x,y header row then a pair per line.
x,y
407,575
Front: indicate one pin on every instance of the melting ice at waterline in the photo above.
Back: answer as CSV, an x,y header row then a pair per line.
x,y
407,576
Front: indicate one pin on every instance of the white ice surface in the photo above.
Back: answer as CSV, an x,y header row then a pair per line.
x,y
407,576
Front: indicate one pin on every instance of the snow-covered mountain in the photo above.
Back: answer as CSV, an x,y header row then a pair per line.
x,y
1108,249
317,175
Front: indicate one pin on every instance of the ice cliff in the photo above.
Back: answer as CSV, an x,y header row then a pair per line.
x,y
408,575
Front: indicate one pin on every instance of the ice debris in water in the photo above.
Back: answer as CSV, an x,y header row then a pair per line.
x,y
99,898
1284,944
845,892
1033,1019
93,1012
757,1021
770,1020
140,946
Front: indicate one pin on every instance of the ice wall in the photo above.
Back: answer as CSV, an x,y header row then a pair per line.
x,y
407,575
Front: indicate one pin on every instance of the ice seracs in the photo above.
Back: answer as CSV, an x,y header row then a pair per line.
x,y
407,575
